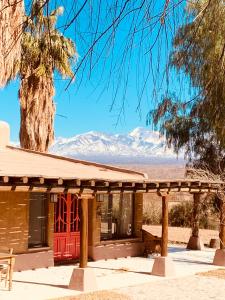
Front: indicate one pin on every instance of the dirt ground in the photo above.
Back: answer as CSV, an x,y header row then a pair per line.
x,y
220,273
188,288
103,295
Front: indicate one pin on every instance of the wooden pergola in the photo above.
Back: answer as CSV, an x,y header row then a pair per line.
x,y
87,189
95,186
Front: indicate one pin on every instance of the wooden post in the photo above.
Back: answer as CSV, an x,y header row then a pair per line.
x,y
195,214
222,224
83,278
163,265
164,245
84,232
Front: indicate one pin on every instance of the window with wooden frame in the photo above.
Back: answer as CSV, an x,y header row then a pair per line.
x,y
38,220
117,216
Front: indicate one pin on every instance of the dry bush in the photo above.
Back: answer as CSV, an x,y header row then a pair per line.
x,y
152,206
152,209
180,215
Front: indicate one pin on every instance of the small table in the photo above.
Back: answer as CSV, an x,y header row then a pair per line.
x,y
10,258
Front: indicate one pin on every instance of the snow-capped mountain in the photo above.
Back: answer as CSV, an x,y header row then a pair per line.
x,y
139,146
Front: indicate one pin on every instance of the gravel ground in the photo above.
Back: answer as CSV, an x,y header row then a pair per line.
x,y
182,235
188,288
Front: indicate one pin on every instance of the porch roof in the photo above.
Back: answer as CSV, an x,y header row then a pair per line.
x,y
25,170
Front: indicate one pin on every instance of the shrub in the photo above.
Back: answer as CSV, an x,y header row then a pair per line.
x,y
180,215
152,211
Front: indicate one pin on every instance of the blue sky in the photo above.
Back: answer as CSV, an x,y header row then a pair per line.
x,y
77,112
81,109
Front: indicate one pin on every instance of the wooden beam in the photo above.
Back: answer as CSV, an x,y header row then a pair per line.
x,y
183,189
128,184
164,245
163,191
194,190
126,191
151,191
87,191
25,180
77,182
141,185
74,190
139,191
60,181
39,189
115,191
57,190
42,180
174,190
22,188
116,184
204,191
5,179
84,233
5,188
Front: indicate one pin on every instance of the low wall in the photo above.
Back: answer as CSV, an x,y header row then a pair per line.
x,y
152,243
34,260
116,250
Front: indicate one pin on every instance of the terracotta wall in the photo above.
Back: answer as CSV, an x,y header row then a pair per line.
x,y
14,215
14,221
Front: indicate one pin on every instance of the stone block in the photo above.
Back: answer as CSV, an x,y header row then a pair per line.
x,y
163,266
219,258
83,279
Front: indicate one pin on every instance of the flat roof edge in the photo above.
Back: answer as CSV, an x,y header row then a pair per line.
x,y
84,162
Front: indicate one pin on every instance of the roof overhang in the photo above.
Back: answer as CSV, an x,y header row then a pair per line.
x,y
95,186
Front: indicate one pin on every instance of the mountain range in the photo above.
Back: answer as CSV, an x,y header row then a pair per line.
x,y
140,146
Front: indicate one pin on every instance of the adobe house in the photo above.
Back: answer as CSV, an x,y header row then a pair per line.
x,y
54,209
41,197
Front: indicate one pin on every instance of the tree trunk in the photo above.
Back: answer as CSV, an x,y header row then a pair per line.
x,y
37,112
11,19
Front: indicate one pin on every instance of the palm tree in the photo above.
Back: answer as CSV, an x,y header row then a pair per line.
x,y
45,51
11,19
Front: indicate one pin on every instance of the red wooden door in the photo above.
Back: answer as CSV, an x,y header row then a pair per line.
x,y
66,227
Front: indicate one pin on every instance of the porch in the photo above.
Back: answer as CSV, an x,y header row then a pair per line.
x,y
110,274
